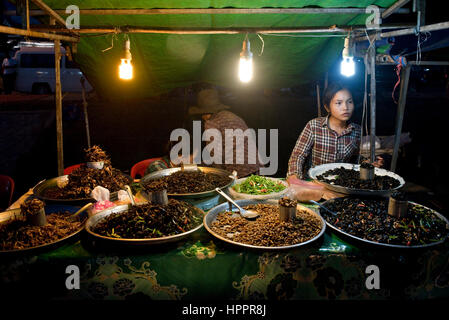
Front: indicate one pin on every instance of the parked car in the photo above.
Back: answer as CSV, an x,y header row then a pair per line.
x,y
36,71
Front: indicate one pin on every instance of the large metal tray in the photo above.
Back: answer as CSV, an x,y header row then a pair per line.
x,y
204,194
95,219
40,189
386,245
12,214
213,213
318,170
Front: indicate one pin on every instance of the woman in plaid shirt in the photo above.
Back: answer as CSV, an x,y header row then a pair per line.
x,y
327,139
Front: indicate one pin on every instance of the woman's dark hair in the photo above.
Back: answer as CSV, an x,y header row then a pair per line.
x,y
331,90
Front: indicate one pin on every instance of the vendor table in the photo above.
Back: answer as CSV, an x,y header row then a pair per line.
x,y
202,267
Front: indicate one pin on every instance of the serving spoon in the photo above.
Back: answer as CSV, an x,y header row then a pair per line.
x,y
76,214
247,214
321,206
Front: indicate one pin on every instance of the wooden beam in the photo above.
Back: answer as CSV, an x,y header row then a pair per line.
x,y
49,11
207,31
394,8
58,99
28,14
86,117
213,11
37,34
132,29
236,30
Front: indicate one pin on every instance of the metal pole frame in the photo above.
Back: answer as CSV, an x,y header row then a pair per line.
x,y
372,65
405,76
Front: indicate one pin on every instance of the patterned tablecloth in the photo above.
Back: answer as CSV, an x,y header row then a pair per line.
x,y
204,268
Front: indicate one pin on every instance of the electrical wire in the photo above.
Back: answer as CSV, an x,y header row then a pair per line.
x,y
114,35
419,43
364,120
263,44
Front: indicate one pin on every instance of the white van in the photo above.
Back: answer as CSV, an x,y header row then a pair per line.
x,y
36,71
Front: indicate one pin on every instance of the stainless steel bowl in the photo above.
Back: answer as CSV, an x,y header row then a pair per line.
x,y
319,170
41,188
386,244
95,219
213,213
204,194
16,213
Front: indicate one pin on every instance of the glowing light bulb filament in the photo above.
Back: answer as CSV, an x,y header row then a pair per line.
x,y
126,69
347,67
246,62
245,69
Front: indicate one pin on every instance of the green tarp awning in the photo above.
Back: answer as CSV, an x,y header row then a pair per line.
x,y
166,61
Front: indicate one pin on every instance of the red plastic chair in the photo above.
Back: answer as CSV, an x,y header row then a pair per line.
x,y
6,191
69,170
140,167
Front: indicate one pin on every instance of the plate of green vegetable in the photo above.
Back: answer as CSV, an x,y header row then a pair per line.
x,y
258,188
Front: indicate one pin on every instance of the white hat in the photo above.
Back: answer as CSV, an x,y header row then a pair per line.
x,y
208,102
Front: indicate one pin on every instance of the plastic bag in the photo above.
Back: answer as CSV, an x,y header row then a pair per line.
x,y
101,194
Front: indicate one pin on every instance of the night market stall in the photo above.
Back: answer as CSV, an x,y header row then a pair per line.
x,y
94,232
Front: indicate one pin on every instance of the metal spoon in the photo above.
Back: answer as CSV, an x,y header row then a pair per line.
x,y
75,215
247,214
321,206
130,195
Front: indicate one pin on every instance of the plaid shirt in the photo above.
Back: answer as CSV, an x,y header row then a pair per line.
x,y
319,144
228,120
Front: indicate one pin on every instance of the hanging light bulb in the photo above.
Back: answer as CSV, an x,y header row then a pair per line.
x,y
246,62
347,67
126,68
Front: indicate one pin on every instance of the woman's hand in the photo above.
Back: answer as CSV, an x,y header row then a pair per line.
x,y
304,194
304,191
379,162
293,179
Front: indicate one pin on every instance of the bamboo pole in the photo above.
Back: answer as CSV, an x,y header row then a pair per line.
x,y
131,29
86,118
236,30
58,98
37,34
28,14
215,11
49,11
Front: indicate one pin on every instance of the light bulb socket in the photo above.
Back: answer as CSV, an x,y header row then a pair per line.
x,y
348,50
128,55
246,52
